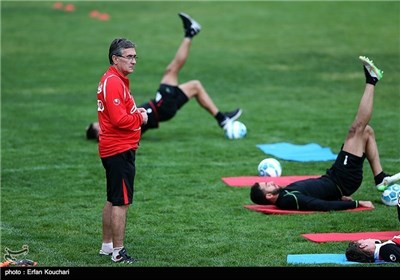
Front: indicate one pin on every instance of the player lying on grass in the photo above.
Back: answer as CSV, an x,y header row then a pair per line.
x,y
171,95
374,250
332,190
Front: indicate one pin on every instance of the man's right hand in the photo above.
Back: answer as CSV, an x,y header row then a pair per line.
x,y
143,112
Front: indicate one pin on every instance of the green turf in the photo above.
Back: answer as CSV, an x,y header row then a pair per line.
x,y
292,66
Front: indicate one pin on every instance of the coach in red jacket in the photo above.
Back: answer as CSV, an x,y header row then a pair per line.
x,y
120,123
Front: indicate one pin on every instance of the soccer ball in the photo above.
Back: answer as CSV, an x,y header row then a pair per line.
x,y
390,195
269,167
235,130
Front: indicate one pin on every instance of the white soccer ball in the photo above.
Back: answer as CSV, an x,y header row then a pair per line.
x,y
235,130
269,167
390,196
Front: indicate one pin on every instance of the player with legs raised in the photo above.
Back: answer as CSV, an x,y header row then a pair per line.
x,y
172,95
332,190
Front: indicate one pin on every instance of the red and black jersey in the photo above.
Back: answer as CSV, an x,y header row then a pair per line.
x,y
119,120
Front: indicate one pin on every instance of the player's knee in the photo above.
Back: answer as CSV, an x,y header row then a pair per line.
x,y
196,84
369,131
358,128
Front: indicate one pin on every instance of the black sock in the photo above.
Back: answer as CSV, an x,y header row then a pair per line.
x,y
379,178
368,78
220,118
188,33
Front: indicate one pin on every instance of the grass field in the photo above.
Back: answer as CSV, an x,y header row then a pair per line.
x,y
292,66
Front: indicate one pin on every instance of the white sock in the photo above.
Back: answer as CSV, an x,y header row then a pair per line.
x,y
107,247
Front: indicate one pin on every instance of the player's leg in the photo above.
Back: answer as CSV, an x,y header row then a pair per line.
x,y
357,136
361,137
107,245
107,232
171,73
372,154
191,29
195,89
120,174
118,223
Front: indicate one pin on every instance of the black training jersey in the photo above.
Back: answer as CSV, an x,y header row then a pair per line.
x,y
316,194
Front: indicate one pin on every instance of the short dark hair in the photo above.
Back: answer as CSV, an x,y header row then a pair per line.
x,y
92,133
257,195
116,47
355,254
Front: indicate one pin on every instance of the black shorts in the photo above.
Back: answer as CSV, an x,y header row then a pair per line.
x,y
347,172
120,176
169,99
